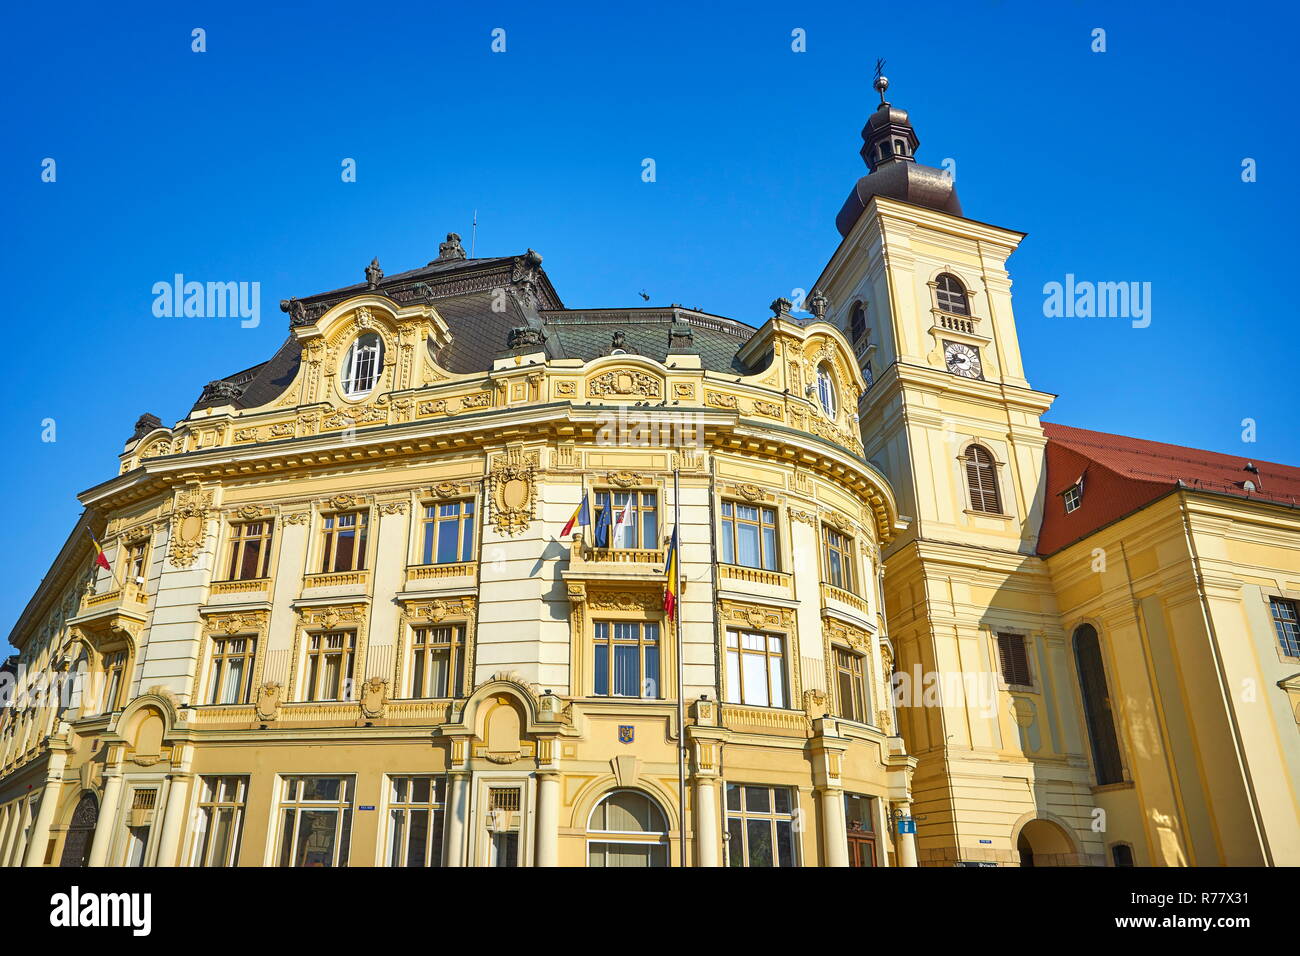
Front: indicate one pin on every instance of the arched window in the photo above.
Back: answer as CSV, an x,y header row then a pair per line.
x,y
857,322
1096,706
950,295
1121,854
982,479
826,390
627,828
362,364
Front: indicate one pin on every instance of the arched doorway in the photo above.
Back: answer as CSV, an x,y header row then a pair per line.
x,y
627,828
1044,843
81,830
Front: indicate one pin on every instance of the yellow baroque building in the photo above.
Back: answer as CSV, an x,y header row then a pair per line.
x,y
340,623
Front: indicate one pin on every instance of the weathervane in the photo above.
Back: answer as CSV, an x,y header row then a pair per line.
x,y
881,81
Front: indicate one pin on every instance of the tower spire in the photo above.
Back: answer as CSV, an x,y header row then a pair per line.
x,y
889,145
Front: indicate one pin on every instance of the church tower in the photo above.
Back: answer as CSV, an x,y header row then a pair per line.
x,y
986,695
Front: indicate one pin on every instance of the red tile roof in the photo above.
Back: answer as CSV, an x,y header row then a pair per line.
x,y
1123,474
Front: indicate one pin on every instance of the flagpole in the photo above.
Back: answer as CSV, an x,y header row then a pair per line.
x,y
681,687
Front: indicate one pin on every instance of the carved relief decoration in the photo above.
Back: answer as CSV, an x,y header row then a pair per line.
x,y
514,493
624,382
188,525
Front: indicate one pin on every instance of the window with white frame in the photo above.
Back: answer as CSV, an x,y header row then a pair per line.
x,y
250,550
642,527
627,828
315,820
137,553
343,541
114,675
362,364
749,535
448,532
328,670
826,390
231,670
438,661
756,669
626,659
760,825
851,688
416,806
503,825
838,549
950,295
219,820
1073,496
143,802
1286,621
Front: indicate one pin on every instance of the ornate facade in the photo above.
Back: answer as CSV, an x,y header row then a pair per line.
x,y
341,625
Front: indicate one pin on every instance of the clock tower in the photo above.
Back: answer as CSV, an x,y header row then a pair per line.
x,y
984,686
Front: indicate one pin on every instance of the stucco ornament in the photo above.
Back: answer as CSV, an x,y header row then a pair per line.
x,y
514,491
188,524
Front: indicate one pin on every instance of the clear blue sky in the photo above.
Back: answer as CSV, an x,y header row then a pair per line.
x,y
225,165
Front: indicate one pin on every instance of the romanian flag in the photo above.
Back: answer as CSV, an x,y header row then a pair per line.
x,y
100,560
580,517
670,569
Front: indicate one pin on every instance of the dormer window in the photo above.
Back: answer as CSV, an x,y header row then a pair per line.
x,y
362,364
826,390
950,295
1073,497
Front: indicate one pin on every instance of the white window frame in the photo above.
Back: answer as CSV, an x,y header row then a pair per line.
x,y
826,395
351,388
346,809
657,838
388,805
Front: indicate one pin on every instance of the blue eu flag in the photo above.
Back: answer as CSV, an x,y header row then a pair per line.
x,y
602,527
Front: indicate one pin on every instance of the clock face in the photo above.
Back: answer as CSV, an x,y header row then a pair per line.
x,y
962,359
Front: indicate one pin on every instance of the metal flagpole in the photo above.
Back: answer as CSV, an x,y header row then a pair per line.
x,y
681,687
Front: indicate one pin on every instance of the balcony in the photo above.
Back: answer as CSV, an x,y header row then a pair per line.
x,y
847,605
626,564
337,582
423,576
130,597
242,587
756,582
773,721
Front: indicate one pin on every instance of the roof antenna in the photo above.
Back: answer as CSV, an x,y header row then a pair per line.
x,y
473,234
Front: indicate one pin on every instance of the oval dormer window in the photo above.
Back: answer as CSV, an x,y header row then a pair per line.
x,y
362,364
826,390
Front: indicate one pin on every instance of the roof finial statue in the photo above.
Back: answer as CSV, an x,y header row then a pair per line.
x,y
817,303
451,249
881,82
374,273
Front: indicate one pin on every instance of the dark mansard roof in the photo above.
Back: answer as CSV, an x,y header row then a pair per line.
x,y
465,291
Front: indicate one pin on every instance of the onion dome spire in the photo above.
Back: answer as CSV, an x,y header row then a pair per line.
x,y
889,145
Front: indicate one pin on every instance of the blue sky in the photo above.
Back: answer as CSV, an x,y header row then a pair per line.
x,y
225,165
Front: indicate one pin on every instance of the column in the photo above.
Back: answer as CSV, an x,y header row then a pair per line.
x,y
40,837
456,811
5,820
107,821
548,819
835,829
178,795
12,856
906,841
707,837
